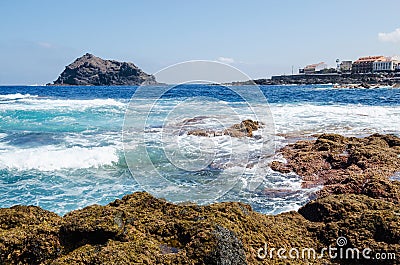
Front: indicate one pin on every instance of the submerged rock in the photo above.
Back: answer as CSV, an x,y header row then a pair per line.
x,y
245,128
242,129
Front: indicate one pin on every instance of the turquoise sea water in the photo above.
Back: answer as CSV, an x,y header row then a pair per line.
x,y
61,148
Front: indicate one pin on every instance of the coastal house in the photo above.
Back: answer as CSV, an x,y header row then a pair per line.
x,y
345,66
313,68
390,64
366,64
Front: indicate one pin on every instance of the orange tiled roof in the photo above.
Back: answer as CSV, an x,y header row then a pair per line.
x,y
370,59
311,66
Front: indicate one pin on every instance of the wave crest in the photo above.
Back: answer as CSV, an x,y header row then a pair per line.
x,y
48,158
16,96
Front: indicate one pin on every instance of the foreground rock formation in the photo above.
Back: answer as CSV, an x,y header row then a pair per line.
x,y
140,229
90,70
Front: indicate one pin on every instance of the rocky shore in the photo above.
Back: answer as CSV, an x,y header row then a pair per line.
x,y
346,165
345,80
358,201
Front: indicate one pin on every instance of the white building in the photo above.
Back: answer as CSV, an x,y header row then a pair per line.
x,y
345,66
390,64
313,68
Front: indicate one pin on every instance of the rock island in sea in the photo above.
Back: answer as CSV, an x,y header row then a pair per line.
x,y
90,70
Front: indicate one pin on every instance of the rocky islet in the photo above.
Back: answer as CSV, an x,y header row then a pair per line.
x,y
90,70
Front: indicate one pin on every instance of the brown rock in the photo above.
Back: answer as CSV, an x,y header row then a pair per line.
x,y
28,235
243,129
280,167
199,132
346,165
364,222
140,229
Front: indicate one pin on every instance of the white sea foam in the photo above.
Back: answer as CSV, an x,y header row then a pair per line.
x,y
34,103
307,119
17,96
48,158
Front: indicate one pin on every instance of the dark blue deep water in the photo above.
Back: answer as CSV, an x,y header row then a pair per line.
x,y
318,94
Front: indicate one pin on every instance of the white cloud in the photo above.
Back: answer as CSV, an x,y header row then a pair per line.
x,y
45,45
393,36
226,60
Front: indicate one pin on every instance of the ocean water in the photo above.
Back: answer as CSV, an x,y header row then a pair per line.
x,y
62,148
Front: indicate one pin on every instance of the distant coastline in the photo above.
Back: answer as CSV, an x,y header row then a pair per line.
x,y
352,80
89,70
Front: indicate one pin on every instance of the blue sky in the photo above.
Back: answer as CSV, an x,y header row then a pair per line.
x,y
261,38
